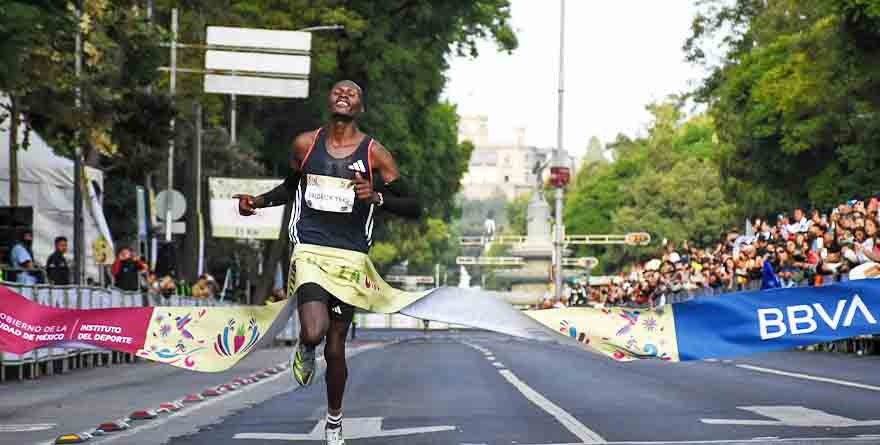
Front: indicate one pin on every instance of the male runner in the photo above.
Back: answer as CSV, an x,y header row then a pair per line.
x,y
324,165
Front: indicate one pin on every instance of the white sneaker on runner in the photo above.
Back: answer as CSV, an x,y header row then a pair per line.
x,y
334,436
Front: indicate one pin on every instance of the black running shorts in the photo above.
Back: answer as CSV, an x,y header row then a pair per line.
x,y
336,308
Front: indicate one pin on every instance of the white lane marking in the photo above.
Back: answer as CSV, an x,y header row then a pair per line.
x,y
497,364
26,427
577,428
810,377
355,428
711,360
798,440
765,438
163,420
792,416
491,358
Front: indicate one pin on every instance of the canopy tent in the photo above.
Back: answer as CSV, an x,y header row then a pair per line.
x,y
46,183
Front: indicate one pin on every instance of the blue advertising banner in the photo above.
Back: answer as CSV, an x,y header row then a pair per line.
x,y
775,319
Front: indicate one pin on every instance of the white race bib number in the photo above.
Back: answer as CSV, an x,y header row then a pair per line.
x,y
329,194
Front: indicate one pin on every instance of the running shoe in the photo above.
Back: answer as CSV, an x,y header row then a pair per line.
x,y
334,436
302,365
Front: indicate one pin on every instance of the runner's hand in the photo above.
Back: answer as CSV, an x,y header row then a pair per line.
x,y
245,205
363,189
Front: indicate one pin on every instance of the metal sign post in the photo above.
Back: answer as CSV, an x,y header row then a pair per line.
x,y
173,88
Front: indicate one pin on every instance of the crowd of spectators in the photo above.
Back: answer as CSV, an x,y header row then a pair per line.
x,y
128,272
801,249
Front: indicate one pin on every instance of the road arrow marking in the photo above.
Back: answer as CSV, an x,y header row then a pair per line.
x,y
356,428
792,416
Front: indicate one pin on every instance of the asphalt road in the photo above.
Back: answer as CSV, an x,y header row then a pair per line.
x,y
478,388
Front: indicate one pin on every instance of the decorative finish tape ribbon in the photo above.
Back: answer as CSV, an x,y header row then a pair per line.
x,y
214,339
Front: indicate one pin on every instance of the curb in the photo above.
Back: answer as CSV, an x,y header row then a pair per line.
x,y
145,415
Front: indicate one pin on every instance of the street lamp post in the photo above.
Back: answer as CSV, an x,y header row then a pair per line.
x,y
78,231
557,239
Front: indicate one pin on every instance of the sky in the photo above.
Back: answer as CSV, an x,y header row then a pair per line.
x,y
619,56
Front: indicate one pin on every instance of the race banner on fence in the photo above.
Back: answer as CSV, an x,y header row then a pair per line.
x,y
215,338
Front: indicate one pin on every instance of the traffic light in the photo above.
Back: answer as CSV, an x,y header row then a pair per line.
x,y
637,239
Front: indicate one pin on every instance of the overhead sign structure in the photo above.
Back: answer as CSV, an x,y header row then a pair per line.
x,y
584,262
632,239
225,220
257,62
490,261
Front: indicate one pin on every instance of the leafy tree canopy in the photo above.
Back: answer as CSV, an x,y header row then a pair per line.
x,y
666,183
794,97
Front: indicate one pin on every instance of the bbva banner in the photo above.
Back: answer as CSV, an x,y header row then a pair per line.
x,y
215,338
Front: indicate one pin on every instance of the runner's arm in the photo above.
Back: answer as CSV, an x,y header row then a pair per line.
x,y
394,196
285,191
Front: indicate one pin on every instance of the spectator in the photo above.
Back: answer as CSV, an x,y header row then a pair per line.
x,y
798,250
57,268
801,224
20,257
167,286
126,270
152,283
205,287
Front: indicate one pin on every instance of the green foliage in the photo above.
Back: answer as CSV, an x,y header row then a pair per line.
x,y
516,215
794,98
667,184
474,214
396,50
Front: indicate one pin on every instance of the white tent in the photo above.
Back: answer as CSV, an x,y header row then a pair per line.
x,y
46,184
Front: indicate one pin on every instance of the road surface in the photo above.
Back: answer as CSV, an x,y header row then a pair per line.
x,y
472,388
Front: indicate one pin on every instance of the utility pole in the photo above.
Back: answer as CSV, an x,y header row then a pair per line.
x,y
173,88
78,233
13,151
557,238
233,120
192,241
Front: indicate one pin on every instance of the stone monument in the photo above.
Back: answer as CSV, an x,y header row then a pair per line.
x,y
532,280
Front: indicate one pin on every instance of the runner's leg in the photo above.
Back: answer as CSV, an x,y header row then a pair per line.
x,y
337,371
314,318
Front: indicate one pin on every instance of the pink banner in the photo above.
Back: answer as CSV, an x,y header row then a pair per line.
x,y
25,326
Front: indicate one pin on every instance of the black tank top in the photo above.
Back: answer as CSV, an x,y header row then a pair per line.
x,y
326,211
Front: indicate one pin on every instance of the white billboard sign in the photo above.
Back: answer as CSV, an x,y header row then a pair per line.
x,y
239,57
257,62
225,220
259,38
256,86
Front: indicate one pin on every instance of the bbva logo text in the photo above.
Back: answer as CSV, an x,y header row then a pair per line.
x,y
801,319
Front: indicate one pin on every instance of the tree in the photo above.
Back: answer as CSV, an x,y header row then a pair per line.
x,y
595,151
667,184
397,51
794,98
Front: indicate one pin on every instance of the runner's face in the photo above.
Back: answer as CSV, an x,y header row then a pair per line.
x,y
345,100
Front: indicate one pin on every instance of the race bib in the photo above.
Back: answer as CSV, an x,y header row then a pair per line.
x,y
329,194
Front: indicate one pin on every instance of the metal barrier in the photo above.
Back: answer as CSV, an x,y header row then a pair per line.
x,y
47,361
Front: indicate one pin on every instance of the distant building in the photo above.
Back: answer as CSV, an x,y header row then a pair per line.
x,y
495,169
